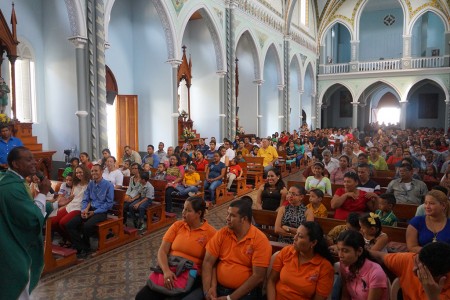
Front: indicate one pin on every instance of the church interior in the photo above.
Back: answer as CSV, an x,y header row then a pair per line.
x,y
95,74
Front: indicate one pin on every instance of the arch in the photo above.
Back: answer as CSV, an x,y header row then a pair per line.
x,y
77,18
166,22
360,10
380,81
434,81
335,86
425,10
309,65
278,62
289,15
329,26
296,61
254,51
213,30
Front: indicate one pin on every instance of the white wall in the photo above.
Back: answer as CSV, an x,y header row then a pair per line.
x,y
294,97
269,95
247,100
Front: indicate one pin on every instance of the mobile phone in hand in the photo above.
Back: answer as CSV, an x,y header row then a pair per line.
x,y
41,177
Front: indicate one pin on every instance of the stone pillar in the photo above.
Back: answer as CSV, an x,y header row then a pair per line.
x,y
97,76
258,83
363,115
314,113
230,96
447,114
322,59
221,75
354,56
406,59
325,111
281,108
286,100
82,93
403,105
175,63
447,49
355,115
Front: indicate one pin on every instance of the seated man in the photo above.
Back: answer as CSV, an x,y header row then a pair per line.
x,y
151,157
422,276
131,155
375,159
269,153
329,162
366,184
97,200
406,189
242,253
7,143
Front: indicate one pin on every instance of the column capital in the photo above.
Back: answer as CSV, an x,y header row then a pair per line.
x,y
447,102
107,45
174,62
231,3
406,35
258,81
354,42
221,73
354,103
281,87
301,91
78,41
287,37
81,113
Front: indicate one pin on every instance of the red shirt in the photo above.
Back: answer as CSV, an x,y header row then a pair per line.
x,y
350,204
201,165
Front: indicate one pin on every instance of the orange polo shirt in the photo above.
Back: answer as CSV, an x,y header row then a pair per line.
x,y
402,265
236,259
302,281
189,243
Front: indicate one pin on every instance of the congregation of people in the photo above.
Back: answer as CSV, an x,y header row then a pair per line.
x,y
349,262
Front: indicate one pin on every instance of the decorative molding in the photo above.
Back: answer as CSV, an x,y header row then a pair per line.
x,y
259,11
78,41
81,113
178,5
258,81
174,62
303,58
262,38
215,39
221,73
219,14
166,24
72,13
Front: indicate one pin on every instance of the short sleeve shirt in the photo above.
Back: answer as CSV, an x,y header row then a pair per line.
x,y
425,235
350,204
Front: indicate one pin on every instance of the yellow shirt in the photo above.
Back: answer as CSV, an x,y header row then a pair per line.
x,y
191,179
269,154
321,212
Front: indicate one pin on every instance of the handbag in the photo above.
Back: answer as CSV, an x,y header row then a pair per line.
x,y
185,271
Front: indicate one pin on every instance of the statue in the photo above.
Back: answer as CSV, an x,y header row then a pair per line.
x,y
183,97
4,91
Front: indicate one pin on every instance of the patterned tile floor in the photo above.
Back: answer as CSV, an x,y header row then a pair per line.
x,y
118,274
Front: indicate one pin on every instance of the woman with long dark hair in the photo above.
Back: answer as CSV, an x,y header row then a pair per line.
x,y
303,270
272,194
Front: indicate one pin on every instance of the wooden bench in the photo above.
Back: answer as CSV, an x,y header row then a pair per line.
x,y
240,184
112,232
382,181
222,194
126,182
255,170
157,217
265,220
56,257
282,163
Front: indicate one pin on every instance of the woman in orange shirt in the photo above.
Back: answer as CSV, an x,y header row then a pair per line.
x,y
186,238
302,270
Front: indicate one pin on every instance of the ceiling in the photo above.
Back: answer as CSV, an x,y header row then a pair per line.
x,y
374,5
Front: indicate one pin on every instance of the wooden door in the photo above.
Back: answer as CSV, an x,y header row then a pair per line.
x,y
126,124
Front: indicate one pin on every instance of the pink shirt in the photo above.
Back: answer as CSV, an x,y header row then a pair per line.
x,y
370,276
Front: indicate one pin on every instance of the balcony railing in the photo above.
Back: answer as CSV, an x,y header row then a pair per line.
x,y
381,65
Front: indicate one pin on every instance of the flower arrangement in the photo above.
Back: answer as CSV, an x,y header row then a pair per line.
x,y
4,120
188,133
240,130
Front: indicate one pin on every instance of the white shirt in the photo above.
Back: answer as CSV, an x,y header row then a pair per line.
x,y
115,177
332,164
78,192
230,153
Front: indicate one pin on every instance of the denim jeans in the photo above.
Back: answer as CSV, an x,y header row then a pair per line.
x,y
254,294
212,186
186,190
142,209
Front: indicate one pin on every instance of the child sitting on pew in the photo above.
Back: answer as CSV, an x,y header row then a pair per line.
x,y
190,183
234,171
371,230
126,168
66,187
160,173
147,169
386,203
316,205
352,223
147,194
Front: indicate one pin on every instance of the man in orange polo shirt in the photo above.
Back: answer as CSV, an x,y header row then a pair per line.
x,y
242,253
422,276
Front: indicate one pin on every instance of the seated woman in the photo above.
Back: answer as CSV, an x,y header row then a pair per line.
x,y
254,151
303,270
361,278
223,155
190,150
371,230
185,160
318,181
85,160
272,194
186,238
291,216
433,227
350,199
200,161
112,172
215,173
174,175
133,189
106,153
73,208
337,175
291,153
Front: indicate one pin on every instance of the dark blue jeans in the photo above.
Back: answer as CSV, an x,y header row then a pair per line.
x,y
254,294
211,187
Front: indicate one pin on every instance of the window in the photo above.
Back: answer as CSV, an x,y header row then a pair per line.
x,y
25,84
304,9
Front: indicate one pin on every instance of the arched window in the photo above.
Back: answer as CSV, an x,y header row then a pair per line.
x,y
25,83
304,9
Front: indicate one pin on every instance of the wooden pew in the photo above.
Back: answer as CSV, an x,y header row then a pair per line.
x,y
240,184
405,212
255,170
56,257
126,182
282,164
111,232
157,217
222,194
388,173
382,181
265,219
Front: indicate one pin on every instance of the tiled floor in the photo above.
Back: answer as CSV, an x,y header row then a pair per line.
x,y
118,274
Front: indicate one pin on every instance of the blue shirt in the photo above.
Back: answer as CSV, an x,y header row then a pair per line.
x,y
155,157
6,147
425,235
100,195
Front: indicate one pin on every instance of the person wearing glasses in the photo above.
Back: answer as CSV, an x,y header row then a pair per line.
x,y
291,216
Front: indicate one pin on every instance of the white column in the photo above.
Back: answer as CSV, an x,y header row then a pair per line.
x,y
355,115
281,115
406,59
354,56
300,93
403,105
258,83
175,63
446,48
221,75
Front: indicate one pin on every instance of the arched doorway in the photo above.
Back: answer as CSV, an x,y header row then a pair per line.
x,y
337,108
